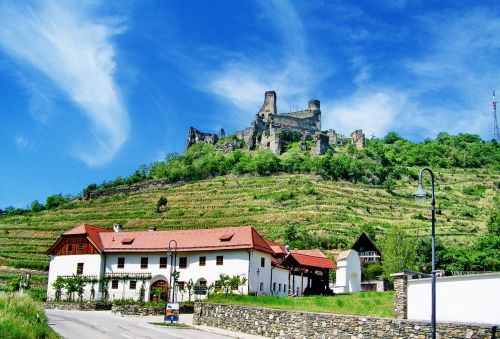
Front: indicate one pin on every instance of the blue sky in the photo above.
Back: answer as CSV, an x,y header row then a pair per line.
x,y
90,90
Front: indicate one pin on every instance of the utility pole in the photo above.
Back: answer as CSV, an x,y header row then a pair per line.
x,y
496,134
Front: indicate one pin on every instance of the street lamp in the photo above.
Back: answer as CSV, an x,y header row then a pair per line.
x,y
420,196
172,253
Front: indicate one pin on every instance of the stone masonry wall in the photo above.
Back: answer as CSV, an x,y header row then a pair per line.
x,y
293,324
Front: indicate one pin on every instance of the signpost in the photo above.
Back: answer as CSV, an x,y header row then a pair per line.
x,y
172,312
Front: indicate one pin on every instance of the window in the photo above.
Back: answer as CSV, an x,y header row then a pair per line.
x,y
114,284
203,261
220,260
262,262
279,288
202,283
284,288
261,286
163,262
70,248
79,268
144,262
183,262
181,285
121,262
274,287
132,285
79,248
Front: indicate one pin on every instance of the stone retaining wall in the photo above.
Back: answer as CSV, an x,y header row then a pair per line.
x,y
76,306
144,311
294,324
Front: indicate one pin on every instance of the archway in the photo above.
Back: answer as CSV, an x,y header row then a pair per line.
x,y
159,290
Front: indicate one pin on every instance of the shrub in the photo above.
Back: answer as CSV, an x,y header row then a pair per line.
x,y
20,317
161,204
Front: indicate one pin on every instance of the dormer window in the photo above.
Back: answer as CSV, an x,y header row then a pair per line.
x,y
127,241
226,237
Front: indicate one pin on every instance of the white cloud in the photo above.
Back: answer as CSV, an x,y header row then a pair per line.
x,y
373,112
72,48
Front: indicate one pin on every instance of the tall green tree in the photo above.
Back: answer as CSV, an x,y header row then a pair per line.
x,y
398,251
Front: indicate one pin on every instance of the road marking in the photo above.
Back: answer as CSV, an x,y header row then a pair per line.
x,y
126,336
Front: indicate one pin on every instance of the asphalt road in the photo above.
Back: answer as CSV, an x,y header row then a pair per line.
x,y
104,324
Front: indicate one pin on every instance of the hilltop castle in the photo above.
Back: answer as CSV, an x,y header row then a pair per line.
x,y
271,129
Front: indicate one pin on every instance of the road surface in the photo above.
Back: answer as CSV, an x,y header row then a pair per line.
x,y
105,325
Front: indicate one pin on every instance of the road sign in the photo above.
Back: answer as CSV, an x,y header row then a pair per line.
x,y
172,312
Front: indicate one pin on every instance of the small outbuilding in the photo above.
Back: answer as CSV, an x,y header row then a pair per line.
x,y
348,276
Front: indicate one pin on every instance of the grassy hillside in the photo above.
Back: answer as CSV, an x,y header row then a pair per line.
x,y
334,211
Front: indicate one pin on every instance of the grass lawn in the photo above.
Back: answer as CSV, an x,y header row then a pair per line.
x,y
20,317
377,304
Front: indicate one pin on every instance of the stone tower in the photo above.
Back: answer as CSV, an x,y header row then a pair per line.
x,y
269,106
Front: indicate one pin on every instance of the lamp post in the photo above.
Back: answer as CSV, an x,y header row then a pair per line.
x,y
420,196
172,253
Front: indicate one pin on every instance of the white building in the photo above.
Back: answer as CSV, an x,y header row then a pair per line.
x,y
122,265
348,276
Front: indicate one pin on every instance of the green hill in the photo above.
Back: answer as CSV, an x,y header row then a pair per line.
x,y
332,211
296,198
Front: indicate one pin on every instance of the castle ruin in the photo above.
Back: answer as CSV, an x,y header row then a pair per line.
x,y
269,130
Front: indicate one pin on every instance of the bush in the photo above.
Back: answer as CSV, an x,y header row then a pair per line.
x,y
161,204
20,317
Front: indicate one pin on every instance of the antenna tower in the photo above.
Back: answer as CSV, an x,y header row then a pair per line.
x,y
496,134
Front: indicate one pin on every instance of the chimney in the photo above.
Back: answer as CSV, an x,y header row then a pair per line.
x,y
117,228
151,228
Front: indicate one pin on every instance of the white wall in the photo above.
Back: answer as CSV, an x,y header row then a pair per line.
x,y
234,263
262,276
280,278
468,298
348,275
63,265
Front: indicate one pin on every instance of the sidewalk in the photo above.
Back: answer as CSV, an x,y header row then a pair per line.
x,y
188,320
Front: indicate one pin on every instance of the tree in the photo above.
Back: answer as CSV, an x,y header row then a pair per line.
x,y
189,288
58,285
36,206
398,251
88,190
228,284
161,204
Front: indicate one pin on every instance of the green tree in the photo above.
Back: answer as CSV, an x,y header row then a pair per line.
x,y
161,204
189,288
398,251
35,206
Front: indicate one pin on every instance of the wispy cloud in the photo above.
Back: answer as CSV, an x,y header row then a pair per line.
x,y
70,46
286,68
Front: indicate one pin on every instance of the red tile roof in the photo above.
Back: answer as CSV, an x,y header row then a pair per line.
x,y
310,261
92,233
314,252
245,237
278,249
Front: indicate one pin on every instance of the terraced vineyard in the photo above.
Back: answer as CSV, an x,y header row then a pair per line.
x,y
335,209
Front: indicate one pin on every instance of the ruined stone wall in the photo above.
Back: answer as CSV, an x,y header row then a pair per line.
x,y
321,144
358,138
195,136
334,138
295,324
305,125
